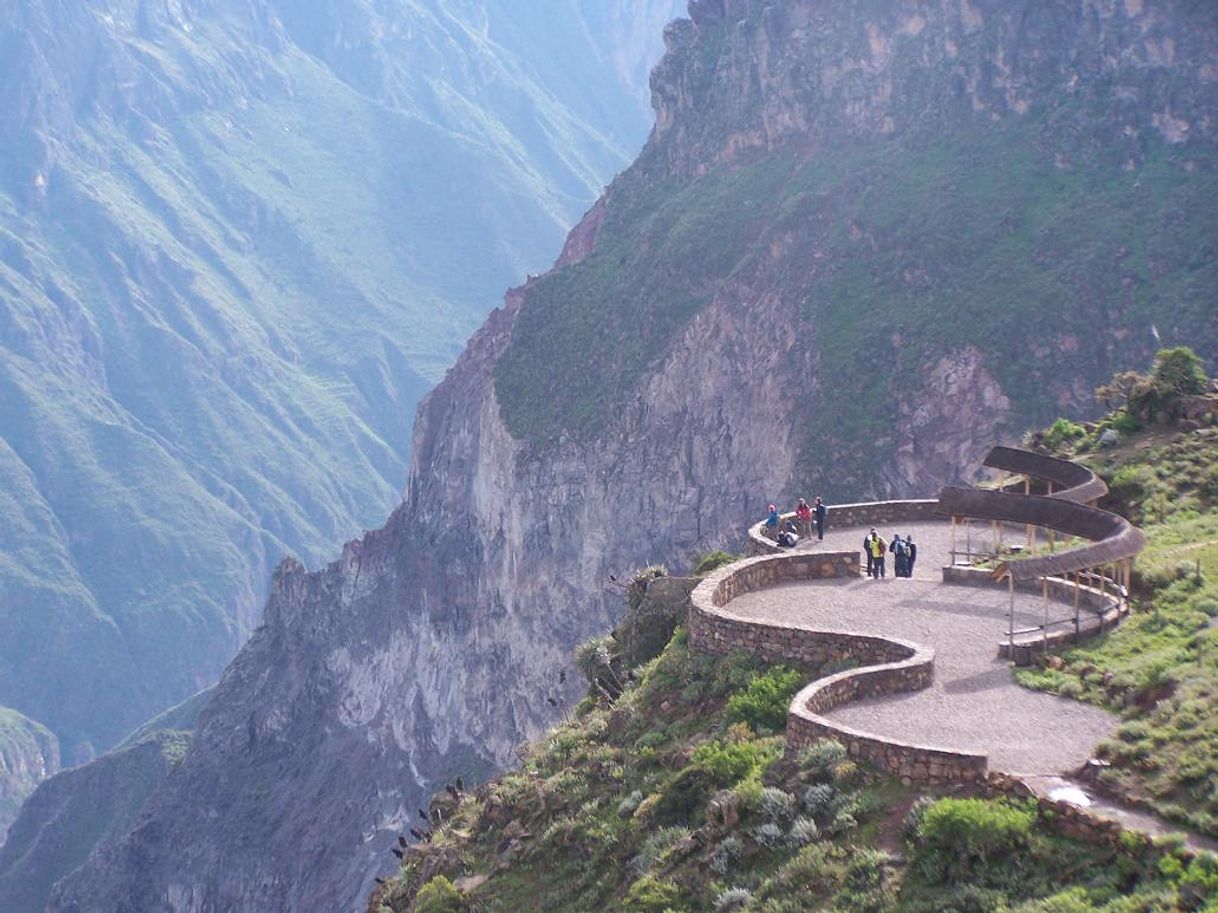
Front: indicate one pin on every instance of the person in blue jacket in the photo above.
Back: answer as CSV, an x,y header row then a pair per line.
x,y
771,523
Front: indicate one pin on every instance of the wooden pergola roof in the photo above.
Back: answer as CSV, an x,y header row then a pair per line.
x,y
1111,538
1071,481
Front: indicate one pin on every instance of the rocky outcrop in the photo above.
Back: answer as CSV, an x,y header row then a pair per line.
x,y
702,349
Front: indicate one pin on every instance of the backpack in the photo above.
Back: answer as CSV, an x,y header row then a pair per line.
x,y
900,548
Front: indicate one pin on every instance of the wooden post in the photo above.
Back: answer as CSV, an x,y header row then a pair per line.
x,y
1027,490
1077,625
1090,573
1044,630
1011,613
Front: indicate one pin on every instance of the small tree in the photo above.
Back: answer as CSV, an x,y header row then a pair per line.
x,y
1178,372
1175,373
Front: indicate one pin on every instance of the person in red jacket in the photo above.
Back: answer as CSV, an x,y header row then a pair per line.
x,y
803,513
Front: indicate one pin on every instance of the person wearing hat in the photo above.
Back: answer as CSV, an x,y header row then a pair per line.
x,y
771,523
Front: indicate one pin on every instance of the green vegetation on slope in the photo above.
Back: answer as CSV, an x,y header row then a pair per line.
x,y
1159,669
675,797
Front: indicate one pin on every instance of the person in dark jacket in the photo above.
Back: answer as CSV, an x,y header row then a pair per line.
x,y
900,556
913,555
818,517
867,552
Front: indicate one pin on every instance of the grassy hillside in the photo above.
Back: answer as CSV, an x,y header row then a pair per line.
x,y
675,796
1160,668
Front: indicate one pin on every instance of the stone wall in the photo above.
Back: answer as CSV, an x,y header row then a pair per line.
x,y
882,665
840,516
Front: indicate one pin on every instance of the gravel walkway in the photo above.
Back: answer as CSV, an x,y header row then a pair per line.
x,y
974,704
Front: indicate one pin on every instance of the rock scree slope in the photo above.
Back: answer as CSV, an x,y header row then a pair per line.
x,y
842,259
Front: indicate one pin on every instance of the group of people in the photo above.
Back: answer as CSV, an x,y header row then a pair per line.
x,y
807,516
877,548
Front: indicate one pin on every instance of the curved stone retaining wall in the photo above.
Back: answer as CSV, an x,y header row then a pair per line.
x,y
884,665
864,513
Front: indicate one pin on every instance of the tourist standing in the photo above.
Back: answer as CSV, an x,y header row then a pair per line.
x,y
879,548
900,556
913,554
803,513
867,552
818,514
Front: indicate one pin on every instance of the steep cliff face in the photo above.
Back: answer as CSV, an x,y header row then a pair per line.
x,y
803,279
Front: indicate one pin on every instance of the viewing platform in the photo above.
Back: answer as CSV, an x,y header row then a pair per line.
x,y
919,680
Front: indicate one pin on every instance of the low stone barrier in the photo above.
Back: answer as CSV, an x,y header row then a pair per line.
x,y
884,665
864,513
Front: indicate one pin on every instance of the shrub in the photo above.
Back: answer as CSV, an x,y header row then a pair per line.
x,y
821,757
912,823
684,798
439,896
595,658
1063,432
714,765
768,835
650,895
803,832
630,804
658,845
733,899
777,805
1178,372
818,798
712,561
958,837
731,762
726,854
765,701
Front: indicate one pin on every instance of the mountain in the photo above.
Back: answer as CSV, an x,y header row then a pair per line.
x,y
238,242
677,795
29,753
863,242
69,814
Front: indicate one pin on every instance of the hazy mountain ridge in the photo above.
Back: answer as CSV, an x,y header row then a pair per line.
x,y
233,255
